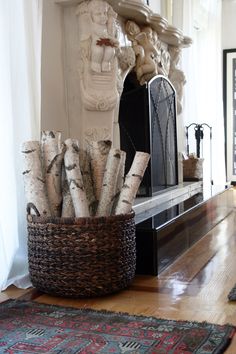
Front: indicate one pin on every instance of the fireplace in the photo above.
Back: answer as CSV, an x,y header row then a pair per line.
x,y
147,120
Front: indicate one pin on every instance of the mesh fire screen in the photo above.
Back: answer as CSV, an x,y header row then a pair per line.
x,y
147,121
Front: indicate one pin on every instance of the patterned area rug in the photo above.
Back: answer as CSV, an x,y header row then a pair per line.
x,y
232,294
30,327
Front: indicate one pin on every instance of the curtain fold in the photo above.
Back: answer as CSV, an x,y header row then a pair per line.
x,y
20,47
201,20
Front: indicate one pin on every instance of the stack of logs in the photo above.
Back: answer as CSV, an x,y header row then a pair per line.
x,y
62,180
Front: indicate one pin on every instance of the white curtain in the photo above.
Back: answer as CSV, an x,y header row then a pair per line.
x,y
202,64
20,58
155,6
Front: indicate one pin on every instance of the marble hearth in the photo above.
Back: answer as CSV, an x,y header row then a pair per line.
x,y
147,207
169,224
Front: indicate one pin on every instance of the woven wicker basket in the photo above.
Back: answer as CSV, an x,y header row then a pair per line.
x,y
81,257
193,169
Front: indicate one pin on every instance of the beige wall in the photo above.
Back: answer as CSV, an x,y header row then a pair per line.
x,y
53,96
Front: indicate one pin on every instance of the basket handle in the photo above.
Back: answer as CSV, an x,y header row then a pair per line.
x,y
28,209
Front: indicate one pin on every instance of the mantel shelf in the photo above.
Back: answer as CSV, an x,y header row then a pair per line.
x,y
140,12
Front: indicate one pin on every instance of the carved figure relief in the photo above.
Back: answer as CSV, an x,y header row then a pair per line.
x,y
98,66
100,73
145,51
103,35
104,64
152,56
155,57
176,76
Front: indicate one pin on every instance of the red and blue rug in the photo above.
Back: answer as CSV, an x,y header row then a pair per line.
x,y
30,327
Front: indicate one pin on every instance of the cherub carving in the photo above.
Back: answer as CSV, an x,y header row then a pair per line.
x,y
145,51
155,41
99,25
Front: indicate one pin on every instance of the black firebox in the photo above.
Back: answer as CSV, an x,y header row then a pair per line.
x,y
147,120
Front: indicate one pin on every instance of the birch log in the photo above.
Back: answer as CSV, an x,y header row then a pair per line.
x,y
98,151
132,182
67,203
53,154
50,140
34,183
85,167
109,183
74,178
120,180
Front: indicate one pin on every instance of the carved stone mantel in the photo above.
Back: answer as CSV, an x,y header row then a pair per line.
x,y
90,116
140,12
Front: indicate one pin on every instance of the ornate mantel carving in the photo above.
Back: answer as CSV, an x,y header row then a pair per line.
x,y
98,60
141,13
153,56
103,65
112,38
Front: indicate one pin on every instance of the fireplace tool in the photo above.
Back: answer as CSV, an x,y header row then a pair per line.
x,y
199,135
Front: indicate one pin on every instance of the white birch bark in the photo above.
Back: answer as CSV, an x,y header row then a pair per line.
x,y
85,168
120,180
74,178
67,203
132,182
52,155
34,183
98,151
109,183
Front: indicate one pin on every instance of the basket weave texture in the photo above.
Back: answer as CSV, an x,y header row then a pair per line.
x,y
81,257
193,169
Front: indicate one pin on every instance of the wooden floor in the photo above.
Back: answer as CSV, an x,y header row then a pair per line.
x,y
195,287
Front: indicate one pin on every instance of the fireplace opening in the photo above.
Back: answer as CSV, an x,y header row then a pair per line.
x,y
147,119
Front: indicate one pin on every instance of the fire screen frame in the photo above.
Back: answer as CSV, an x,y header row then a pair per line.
x,y
143,128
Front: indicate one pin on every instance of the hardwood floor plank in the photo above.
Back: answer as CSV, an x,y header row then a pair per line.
x,y
13,293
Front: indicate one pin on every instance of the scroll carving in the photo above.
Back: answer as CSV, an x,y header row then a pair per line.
x,y
155,57
176,76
